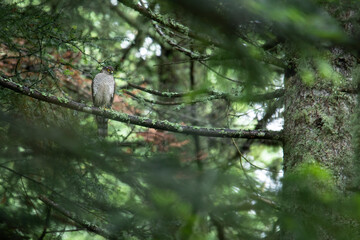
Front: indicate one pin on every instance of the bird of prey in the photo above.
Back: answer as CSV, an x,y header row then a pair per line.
x,y
103,89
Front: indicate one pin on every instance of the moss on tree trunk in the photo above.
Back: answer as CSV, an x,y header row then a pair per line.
x,y
318,127
317,133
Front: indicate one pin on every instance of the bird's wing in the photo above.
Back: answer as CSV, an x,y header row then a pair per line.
x,y
92,90
94,84
113,92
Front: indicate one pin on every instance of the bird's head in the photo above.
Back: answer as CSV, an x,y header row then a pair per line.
x,y
108,70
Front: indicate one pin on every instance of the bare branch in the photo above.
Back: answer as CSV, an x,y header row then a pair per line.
x,y
141,121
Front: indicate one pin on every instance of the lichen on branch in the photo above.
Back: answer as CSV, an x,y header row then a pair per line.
x,y
141,121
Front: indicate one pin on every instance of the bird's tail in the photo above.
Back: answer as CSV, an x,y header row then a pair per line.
x,y
102,124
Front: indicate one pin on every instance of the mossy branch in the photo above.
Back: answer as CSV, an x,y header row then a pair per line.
x,y
141,121
212,94
166,21
210,98
180,28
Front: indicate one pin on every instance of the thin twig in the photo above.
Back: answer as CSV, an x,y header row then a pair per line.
x,y
243,157
219,95
242,167
219,74
187,52
88,226
171,103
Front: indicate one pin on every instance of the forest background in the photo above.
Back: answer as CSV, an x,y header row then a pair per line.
x,y
232,120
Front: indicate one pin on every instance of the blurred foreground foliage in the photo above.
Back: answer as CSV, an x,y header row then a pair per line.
x,y
57,177
129,195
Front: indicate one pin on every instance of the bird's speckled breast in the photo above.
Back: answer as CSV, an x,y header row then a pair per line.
x,y
103,90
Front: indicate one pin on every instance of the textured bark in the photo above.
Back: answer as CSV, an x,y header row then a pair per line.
x,y
318,119
317,127
318,123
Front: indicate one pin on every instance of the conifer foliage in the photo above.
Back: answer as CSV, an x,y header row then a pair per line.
x,y
197,146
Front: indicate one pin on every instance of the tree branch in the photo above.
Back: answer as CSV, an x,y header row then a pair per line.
x,y
82,223
219,74
166,22
180,28
168,94
141,121
172,103
219,227
193,55
267,96
217,95
270,111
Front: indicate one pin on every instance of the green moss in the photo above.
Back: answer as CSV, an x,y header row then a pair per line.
x,y
261,134
328,123
87,109
301,115
311,182
180,128
308,76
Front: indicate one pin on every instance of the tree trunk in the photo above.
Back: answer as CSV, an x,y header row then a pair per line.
x,y
317,129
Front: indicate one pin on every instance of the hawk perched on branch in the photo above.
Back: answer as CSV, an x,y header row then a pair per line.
x,y
103,89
